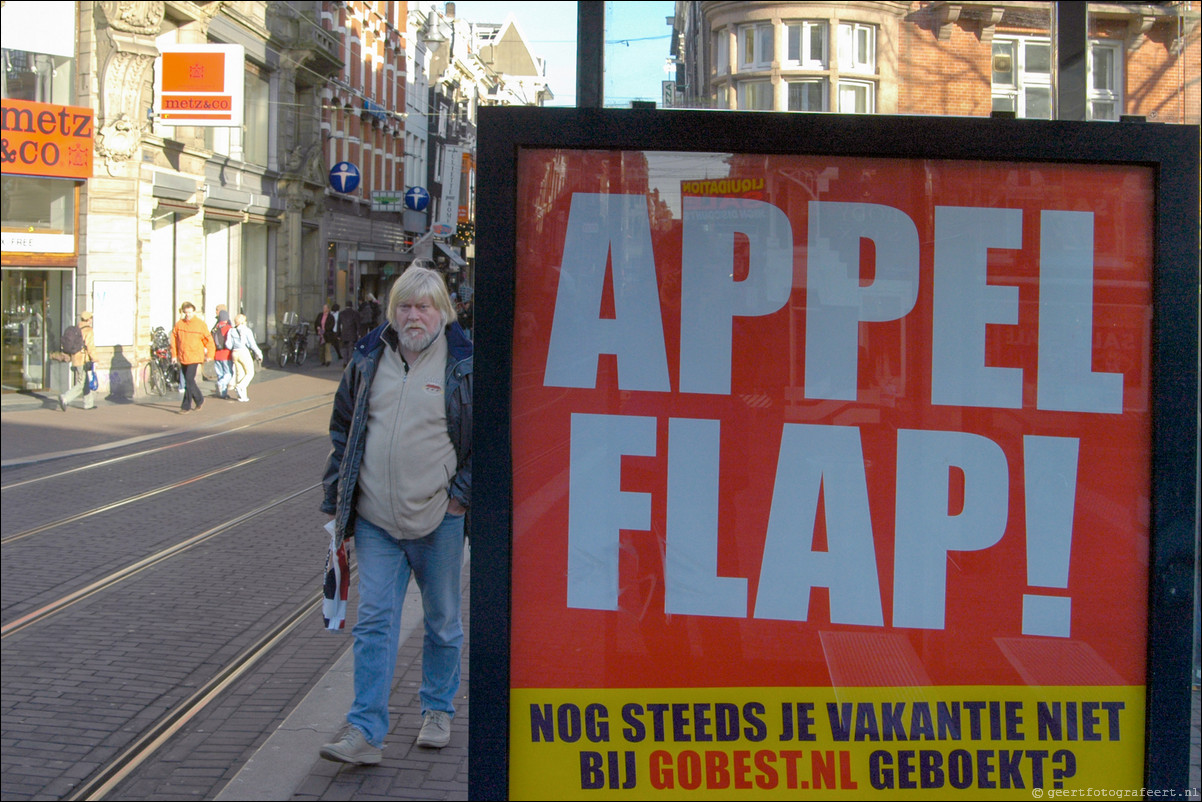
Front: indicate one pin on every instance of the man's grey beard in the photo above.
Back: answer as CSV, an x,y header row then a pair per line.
x,y
417,340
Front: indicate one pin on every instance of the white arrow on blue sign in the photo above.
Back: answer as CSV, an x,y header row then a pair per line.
x,y
417,199
344,177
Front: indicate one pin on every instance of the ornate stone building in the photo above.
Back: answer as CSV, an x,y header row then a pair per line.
x,y
169,213
165,203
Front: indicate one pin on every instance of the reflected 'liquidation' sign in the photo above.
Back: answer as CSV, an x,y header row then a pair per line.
x,y
831,475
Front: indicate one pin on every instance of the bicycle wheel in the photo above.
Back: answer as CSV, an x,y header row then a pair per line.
x,y
156,382
302,352
282,355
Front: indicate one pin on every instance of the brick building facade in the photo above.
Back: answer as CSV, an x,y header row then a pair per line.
x,y
935,58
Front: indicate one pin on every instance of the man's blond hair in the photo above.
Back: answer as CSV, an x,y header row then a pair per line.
x,y
418,283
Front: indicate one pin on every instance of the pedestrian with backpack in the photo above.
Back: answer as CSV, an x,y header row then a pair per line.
x,y
223,360
191,345
78,343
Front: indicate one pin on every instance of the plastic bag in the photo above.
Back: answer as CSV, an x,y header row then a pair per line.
x,y
93,381
335,584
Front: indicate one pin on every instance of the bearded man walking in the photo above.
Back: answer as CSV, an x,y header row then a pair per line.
x,y
398,480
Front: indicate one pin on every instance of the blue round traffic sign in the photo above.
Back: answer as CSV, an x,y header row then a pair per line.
x,y
417,199
344,177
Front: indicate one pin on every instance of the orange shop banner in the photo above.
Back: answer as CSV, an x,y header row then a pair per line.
x,y
47,139
831,475
200,85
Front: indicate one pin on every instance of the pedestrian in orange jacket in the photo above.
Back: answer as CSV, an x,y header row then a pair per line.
x,y
191,345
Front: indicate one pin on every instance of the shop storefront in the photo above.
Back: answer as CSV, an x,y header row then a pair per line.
x,y
47,157
37,291
36,303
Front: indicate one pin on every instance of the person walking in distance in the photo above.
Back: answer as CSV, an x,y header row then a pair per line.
x,y
78,342
369,315
245,351
335,310
348,331
223,362
324,326
398,480
191,345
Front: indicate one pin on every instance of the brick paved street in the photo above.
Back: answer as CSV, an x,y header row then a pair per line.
x,y
302,686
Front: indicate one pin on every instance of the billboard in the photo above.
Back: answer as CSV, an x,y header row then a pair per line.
x,y
826,472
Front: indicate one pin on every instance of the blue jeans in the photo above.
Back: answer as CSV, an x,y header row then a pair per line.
x,y
384,564
225,376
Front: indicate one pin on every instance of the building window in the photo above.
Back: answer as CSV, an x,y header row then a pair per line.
x,y
1022,77
807,95
258,119
805,44
857,97
721,52
1105,81
857,47
755,47
755,96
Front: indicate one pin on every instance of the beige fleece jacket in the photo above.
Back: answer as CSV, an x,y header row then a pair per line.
x,y
409,460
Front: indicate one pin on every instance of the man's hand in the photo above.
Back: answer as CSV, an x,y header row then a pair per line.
x,y
455,508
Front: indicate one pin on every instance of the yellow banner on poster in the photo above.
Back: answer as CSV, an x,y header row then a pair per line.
x,y
998,742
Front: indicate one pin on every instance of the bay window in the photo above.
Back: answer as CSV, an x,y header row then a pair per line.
x,y
755,96
721,51
856,97
857,47
756,49
806,44
808,94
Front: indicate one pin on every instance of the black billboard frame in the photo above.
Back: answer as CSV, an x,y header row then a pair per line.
x,y
1170,150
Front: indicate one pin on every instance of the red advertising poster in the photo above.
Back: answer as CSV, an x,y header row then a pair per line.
x,y
830,476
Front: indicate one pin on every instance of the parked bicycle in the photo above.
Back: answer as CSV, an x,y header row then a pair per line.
x,y
161,373
294,342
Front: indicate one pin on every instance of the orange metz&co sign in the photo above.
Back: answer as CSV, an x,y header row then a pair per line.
x,y
200,85
46,139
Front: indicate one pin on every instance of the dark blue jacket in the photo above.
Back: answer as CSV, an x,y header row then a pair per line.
x,y
348,422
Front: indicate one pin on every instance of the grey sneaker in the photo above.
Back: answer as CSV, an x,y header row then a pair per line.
x,y
436,729
352,747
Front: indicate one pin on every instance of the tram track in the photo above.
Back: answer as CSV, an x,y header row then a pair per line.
x,y
112,505
150,595
47,610
109,776
112,461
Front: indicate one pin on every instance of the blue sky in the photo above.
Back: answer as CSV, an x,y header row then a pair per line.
x,y
636,35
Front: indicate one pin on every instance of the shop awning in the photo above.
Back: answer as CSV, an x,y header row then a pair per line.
x,y
455,258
